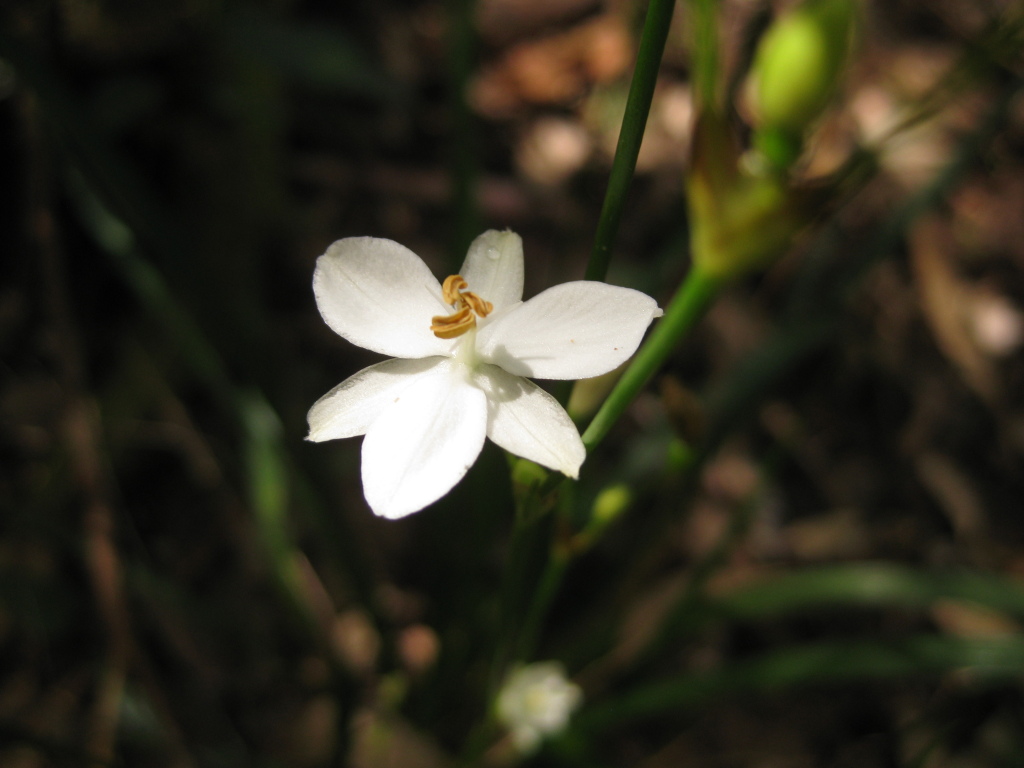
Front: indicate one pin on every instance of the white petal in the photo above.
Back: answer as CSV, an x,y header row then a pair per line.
x,y
571,331
494,268
380,296
350,408
524,419
422,445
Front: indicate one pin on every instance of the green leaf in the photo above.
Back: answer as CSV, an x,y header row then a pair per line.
x,y
991,658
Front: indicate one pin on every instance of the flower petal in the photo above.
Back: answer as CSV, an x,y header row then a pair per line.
x,y
351,407
571,331
524,419
494,268
419,447
380,296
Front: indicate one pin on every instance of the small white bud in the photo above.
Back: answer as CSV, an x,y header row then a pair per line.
x,y
535,702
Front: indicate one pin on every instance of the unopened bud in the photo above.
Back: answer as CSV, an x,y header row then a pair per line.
x,y
795,72
526,475
610,503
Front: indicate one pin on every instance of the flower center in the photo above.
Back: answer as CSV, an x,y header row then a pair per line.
x,y
467,305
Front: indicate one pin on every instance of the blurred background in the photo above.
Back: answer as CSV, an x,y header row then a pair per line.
x,y
819,537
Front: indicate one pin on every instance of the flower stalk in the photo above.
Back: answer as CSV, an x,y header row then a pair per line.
x,y
634,122
686,308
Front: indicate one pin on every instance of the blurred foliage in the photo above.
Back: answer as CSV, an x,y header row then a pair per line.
x,y
802,545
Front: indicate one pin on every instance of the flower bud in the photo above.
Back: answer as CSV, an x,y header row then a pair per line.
x,y
610,503
797,65
527,476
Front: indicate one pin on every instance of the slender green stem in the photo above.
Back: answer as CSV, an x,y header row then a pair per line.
x,y
685,309
528,556
537,612
705,52
543,595
634,121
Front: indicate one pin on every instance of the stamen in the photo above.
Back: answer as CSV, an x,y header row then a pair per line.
x,y
468,306
478,305
456,324
453,285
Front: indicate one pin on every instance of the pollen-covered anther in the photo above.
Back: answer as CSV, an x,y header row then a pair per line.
x,y
480,307
455,324
452,288
467,305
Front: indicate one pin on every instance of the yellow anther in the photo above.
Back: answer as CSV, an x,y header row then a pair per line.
x,y
453,286
456,324
468,306
479,306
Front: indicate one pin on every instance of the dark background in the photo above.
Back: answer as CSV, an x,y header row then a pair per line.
x,y
184,581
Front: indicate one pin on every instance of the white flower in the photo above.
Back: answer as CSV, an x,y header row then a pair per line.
x,y
462,351
536,701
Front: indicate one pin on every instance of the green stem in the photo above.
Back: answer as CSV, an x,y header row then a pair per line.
x,y
705,53
537,612
634,121
528,556
685,309
543,595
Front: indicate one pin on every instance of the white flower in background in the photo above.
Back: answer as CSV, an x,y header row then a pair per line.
x,y
535,702
462,351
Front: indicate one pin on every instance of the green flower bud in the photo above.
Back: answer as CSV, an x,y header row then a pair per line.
x,y
796,68
610,503
527,476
